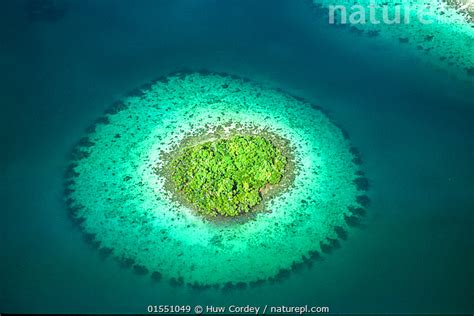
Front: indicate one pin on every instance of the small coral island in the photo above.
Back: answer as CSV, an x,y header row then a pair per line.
x,y
227,176
177,179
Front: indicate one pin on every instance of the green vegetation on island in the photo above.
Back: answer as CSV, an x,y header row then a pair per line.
x,y
227,176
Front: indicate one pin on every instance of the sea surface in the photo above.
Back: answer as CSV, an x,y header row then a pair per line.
x,y
414,126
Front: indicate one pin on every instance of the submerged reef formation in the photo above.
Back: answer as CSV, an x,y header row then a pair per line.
x,y
206,133
439,32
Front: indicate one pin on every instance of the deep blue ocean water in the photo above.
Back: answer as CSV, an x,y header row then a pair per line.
x,y
413,125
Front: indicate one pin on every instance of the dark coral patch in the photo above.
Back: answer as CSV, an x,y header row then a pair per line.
x,y
105,252
126,262
363,200
403,39
358,211
116,107
362,184
91,240
156,276
341,232
352,220
70,171
175,282
140,270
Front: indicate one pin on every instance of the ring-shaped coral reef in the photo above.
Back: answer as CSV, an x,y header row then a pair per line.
x,y
117,189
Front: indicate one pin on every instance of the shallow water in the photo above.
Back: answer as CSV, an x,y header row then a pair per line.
x,y
413,125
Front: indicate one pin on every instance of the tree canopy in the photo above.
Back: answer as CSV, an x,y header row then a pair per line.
x,y
224,177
